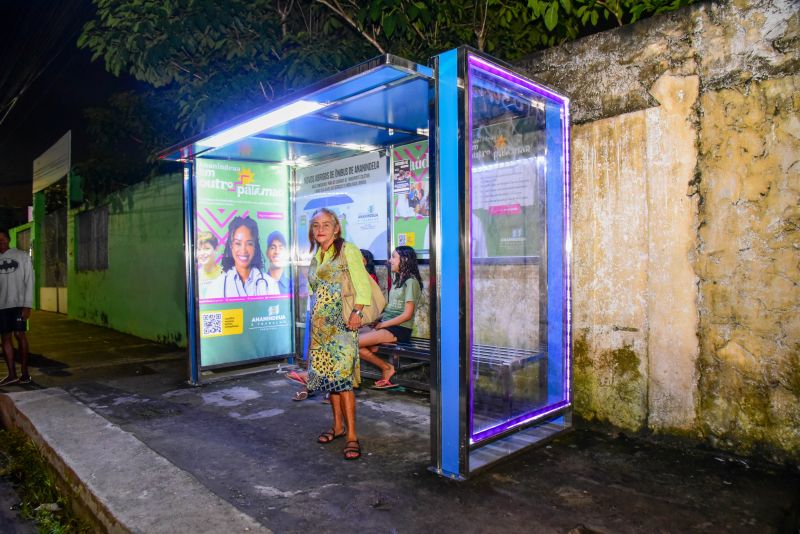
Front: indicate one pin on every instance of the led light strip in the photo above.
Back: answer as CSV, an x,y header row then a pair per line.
x,y
261,123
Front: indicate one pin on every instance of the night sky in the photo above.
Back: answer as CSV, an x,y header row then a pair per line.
x,y
52,81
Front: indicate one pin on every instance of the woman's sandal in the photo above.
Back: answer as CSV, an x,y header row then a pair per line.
x,y
384,384
352,452
300,395
329,435
294,376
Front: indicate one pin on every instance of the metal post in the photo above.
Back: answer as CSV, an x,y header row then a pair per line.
x,y
191,273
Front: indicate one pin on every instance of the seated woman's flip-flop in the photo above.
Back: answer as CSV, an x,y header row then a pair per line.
x,y
294,376
384,384
300,395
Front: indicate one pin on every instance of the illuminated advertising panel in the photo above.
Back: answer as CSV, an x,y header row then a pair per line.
x,y
410,200
355,189
241,244
507,186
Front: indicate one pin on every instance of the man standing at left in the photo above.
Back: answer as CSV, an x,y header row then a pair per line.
x,y
16,301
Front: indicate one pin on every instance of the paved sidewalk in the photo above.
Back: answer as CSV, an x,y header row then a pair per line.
x,y
115,410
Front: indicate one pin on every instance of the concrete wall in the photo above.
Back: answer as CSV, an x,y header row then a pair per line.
x,y
686,223
143,290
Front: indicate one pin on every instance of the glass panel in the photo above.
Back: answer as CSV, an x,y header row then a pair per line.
x,y
514,158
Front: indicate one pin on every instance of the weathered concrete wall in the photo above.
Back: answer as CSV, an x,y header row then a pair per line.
x,y
143,290
749,265
686,223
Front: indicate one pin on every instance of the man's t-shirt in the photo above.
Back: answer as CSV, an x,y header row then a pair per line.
x,y
16,280
398,296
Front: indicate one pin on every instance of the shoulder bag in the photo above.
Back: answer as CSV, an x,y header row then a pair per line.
x,y
378,302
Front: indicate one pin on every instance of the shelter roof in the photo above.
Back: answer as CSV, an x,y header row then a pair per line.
x,y
383,101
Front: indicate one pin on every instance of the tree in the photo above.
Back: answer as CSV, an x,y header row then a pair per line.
x,y
223,58
124,136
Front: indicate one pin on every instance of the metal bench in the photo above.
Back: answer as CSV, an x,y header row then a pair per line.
x,y
511,371
410,360
509,380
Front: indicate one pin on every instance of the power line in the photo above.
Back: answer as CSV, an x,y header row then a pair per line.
x,y
38,38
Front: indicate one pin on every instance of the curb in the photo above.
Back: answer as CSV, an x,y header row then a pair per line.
x,y
122,484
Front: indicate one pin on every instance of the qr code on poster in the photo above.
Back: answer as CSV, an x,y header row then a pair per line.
x,y
212,323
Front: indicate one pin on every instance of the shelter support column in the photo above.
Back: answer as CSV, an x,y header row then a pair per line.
x,y
448,435
191,272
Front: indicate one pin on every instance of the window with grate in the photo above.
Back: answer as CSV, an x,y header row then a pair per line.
x,y
92,253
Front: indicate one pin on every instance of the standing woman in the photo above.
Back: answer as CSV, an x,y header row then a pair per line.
x,y
334,342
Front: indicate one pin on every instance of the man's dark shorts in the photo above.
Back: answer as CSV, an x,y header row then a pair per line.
x,y
11,320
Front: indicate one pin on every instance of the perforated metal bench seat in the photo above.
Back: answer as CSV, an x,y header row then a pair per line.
x,y
416,348
411,362
508,380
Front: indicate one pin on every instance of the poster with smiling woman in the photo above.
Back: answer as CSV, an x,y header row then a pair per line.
x,y
243,275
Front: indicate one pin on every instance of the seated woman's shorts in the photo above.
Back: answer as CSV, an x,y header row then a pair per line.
x,y
402,333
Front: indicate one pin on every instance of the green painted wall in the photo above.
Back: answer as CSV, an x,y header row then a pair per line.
x,y
143,290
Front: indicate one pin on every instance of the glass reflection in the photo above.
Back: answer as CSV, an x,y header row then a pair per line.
x,y
508,189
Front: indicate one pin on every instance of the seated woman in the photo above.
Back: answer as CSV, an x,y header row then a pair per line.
x,y
398,317
369,264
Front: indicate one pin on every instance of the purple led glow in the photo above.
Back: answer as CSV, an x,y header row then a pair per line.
x,y
519,421
515,78
471,255
567,214
478,63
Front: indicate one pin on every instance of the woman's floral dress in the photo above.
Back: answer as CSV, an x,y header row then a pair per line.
x,y
334,349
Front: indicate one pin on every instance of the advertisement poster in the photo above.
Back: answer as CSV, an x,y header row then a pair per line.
x,y
353,188
242,251
410,202
508,189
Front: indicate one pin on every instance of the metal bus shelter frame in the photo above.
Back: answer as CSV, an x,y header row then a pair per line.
x,y
384,102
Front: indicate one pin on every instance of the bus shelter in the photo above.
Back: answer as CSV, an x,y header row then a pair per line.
x,y
464,160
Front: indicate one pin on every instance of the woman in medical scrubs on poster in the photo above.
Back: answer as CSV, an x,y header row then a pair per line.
x,y
242,263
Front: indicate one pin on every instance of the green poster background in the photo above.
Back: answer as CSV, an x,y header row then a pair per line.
x,y
410,197
242,328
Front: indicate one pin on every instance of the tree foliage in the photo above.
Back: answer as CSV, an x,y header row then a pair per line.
x,y
124,136
222,58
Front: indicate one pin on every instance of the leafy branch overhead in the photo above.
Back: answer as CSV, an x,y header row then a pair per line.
x,y
221,58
